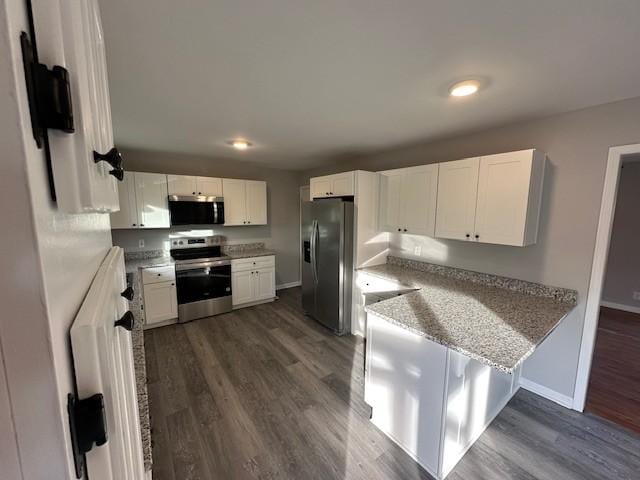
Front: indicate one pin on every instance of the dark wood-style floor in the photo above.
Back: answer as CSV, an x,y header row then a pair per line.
x,y
614,386
265,393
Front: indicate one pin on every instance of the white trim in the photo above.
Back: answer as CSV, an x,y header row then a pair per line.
x,y
284,286
621,306
564,400
601,252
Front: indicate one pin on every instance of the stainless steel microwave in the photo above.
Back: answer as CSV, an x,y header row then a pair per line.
x,y
196,210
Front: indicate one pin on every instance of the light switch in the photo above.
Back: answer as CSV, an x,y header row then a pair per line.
x,y
141,243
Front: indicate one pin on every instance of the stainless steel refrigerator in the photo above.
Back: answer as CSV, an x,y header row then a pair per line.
x,y
327,267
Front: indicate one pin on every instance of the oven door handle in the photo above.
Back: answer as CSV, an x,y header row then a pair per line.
x,y
197,266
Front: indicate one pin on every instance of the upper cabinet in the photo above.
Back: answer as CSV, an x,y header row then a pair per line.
x,y
408,200
245,202
186,185
493,199
338,185
143,202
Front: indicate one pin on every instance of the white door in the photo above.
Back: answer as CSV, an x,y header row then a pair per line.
x,y
503,195
256,203
342,184
103,359
242,287
181,185
235,199
457,194
265,283
127,216
209,186
419,196
320,187
160,302
391,186
151,199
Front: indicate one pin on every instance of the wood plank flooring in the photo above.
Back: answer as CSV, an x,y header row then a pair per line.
x,y
614,386
265,393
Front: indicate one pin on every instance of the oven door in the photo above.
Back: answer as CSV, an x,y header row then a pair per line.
x,y
203,289
195,211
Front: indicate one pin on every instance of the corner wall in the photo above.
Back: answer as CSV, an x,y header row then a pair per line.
x,y
576,144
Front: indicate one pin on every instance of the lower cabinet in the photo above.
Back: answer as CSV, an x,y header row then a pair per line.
x,y
160,296
253,280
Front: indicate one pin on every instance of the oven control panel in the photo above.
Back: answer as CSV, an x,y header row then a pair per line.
x,y
194,242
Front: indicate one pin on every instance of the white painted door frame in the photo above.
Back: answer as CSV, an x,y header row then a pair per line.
x,y
601,253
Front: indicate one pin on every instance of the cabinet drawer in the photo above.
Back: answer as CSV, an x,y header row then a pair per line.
x,y
158,274
253,263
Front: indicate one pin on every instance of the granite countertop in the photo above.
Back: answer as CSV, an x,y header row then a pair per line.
x,y
248,253
134,264
495,320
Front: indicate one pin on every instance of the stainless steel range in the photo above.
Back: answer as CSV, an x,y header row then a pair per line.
x,y
203,278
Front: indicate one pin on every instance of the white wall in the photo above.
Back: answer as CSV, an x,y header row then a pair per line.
x,y
577,144
48,260
623,265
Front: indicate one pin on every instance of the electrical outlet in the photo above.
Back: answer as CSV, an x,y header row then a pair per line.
x,y
417,250
141,243
636,295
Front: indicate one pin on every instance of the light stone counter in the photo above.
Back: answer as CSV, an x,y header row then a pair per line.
x,y
495,320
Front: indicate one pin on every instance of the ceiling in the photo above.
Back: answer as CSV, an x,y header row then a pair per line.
x,y
310,80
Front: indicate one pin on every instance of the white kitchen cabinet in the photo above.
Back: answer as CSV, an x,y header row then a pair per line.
x,y
337,185
509,198
160,302
253,280
245,202
492,199
209,186
457,194
181,185
408,198
144,202
187,185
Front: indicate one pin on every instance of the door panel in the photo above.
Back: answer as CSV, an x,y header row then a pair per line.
x,y
503,194
256,202
391,200
342,184
419,195
265,283
160,302
235,201
457,195
308,280
183,185
127,216
242,287
209,186
152,201
320,187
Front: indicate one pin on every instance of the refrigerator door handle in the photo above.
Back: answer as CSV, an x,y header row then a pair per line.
x,y
314,243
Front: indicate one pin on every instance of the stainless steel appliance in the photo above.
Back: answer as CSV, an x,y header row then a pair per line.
x,y
327,267
203,278
196,210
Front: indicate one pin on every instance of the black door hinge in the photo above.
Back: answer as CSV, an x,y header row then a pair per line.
x,y
88,425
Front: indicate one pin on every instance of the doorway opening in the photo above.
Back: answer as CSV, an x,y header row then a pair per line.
x,y
608,383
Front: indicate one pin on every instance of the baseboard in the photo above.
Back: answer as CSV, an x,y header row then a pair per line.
x,y
547,393
620,306
288,285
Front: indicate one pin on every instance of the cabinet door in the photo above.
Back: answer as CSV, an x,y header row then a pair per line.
x,y
209,186
242,287
160,302
320,187
127,216
503,194
342,184
419,196
265,283
457,194
151,200
256,205
391,194
183,185
235,201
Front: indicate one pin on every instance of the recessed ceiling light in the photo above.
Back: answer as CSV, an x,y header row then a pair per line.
x,y
240,144
462,89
